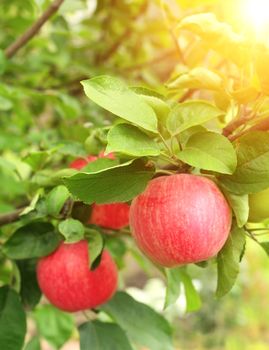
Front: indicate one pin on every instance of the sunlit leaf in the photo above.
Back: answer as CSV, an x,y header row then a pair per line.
x,y
113,95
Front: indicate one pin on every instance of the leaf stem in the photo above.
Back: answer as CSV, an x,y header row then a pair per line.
x,y
168,159
166,145
251,235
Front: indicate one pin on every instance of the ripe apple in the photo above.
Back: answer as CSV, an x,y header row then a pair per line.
x,y
180,219
66,280
259,206
115,215
80,163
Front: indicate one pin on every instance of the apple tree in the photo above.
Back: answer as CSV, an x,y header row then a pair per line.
x,y
129,130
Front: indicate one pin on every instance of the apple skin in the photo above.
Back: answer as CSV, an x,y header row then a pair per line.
x,y
66,280
259,206
180,219
113,216
80,163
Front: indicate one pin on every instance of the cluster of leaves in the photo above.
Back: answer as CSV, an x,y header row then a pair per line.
x,y
218,133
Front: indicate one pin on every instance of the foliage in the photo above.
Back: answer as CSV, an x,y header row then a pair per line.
x,y
167,88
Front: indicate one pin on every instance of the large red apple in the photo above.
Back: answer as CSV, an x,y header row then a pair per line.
x,y
114,216
180,219
67,281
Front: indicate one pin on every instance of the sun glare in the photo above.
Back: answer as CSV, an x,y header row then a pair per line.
x,y
256,13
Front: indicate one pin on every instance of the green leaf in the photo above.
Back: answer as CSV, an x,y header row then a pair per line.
x,y
265,246
68,106
209,151
218,36
71,148
56,199
93,144
197,78
12,320
29,289
184,136
32,206
239,204
228,261
191,113
145,91
33,344
54,325
113,95
117,248
128,139
33,240
143,325
117,184
72,230
95,246
99,164
98,335
252,173
161,108
37,159
173,277
36,210
49,178
193,301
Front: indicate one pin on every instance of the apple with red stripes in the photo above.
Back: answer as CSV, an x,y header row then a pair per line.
x,y
180,219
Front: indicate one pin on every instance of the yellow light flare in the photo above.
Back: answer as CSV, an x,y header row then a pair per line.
x,y
256,13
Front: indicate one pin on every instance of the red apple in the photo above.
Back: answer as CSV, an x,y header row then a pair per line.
x,y
180,219
66,280
80,163
115,215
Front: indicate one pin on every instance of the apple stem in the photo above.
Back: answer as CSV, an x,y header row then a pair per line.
x,y
167,172
90,315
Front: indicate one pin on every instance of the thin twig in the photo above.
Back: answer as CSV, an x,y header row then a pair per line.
x,y
187,95
8,218
155,60
104,57
109,53
246,117
33,30
262,126
167,18
236,123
